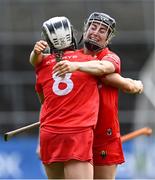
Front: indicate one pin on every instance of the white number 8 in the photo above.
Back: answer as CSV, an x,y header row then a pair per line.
x,y
66,80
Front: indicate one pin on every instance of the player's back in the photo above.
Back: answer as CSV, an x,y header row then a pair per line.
x,y
71,101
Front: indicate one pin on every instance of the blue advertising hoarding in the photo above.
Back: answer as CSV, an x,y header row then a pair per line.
x,y
18,159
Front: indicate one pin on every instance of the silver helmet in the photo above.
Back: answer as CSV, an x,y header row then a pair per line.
x,y
58,33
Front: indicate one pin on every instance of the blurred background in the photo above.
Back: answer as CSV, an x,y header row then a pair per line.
x,y
20,28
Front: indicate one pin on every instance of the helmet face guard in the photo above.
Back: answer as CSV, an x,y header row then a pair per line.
x,y
58,33
103,19
100,18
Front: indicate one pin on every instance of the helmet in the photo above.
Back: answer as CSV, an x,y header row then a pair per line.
x,y
58,33
103,19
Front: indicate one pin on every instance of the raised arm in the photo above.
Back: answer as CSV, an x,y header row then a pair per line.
x,y
127,85
37,55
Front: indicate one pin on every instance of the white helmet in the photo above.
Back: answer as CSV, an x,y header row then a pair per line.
x,y
58,33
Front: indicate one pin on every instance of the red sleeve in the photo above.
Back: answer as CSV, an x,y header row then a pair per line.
x,y
38,87
115,60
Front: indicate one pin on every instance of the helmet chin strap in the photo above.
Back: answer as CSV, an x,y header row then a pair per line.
x,y
92,46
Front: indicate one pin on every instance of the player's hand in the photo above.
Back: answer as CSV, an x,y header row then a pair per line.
x,y
138,86
63,67
39,47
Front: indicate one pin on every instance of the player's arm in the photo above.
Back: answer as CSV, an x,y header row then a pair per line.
x,y
125,84
36,55
41,97
94,67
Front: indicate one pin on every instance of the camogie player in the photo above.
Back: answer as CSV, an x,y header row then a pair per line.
x,y
70,105
107,148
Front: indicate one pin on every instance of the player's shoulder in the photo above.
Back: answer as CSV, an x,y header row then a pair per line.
x,y
77,55
108,54
87,57
113,56
47,59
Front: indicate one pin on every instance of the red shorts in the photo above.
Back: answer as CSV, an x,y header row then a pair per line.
x,y
63,147
108,153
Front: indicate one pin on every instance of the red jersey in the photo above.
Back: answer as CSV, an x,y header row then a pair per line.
x,y
42,113
108,123
71,102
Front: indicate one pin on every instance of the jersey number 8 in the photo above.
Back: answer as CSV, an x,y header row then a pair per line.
x,y
66,80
